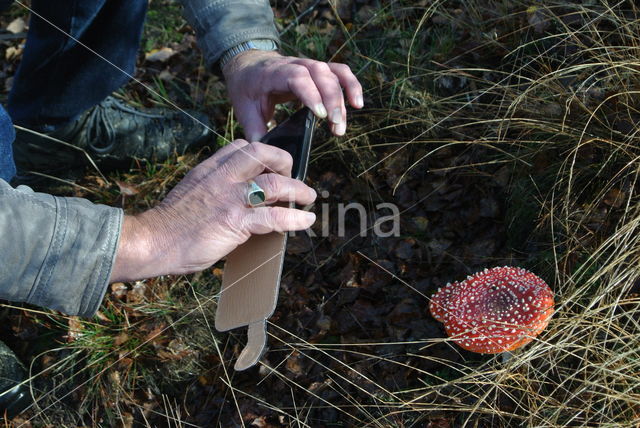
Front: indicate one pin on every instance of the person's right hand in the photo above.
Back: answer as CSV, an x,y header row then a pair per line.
x,y
205,216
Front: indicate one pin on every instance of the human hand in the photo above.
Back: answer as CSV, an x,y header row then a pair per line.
x,y
259,80
205,216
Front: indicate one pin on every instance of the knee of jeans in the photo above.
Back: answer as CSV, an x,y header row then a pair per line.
x,y
4,4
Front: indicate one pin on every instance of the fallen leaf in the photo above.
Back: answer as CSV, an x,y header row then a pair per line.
x,y
155,334
294,364
537,19
421,223
13,52
102,317
17,26
118,290
324,323
404,249
260,422
160,55
615,198
127,189
136,295
126,420
378,274
18,421
298,244
75,329
439,423
121,338
166,75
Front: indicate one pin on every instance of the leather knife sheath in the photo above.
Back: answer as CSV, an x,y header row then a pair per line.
x,y
249,294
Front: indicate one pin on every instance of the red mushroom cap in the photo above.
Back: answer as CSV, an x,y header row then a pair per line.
x,y
497,310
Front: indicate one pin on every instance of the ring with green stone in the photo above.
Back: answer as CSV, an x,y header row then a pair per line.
x,y
255,195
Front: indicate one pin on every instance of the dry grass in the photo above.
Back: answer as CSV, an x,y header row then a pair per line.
x,y
559,109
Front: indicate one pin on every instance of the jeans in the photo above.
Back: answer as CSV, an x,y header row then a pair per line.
x,y
58,77
7,135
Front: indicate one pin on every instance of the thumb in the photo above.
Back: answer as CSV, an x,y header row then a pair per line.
x,y
252,121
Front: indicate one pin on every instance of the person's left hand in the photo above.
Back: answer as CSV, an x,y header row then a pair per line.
x,y
258,80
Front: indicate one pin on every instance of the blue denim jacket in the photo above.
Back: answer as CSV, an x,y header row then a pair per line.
x,y
7,135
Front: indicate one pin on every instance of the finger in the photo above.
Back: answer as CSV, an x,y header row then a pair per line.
x,y
254,159
349,82
225,151
280,188
218,158
253,122
329,87
295,78
276,219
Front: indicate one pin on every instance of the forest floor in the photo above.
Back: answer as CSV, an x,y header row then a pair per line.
x,y
506,134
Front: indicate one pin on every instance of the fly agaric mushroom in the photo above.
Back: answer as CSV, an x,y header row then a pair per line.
x,y
496,310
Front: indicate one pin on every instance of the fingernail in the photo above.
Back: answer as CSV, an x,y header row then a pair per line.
x,y
359,101
336,116
321,112
341,128
314,194
310,216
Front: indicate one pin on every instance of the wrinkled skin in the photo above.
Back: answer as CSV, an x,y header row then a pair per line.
x,y
257,81
205,216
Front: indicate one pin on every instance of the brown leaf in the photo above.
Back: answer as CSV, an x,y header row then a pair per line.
x,y
127,189
347,275
298,244
378,274
405,311
75,329
136,295
155,334
124,363
615,198
439,423
118,290
102,317
121,338
294,364
167,356
126,420
18,421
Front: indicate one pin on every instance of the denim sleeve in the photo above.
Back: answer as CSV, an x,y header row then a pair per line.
x,y
223,24
56,252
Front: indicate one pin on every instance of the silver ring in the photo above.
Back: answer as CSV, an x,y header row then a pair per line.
x,y
255,194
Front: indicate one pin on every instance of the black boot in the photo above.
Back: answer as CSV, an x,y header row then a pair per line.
x,y
112,134
14,395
